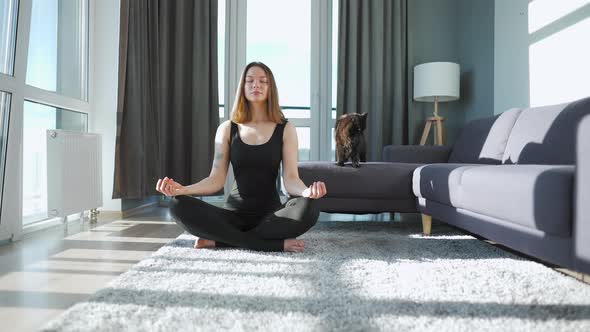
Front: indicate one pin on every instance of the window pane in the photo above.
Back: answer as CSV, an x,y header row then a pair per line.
x,y
58,47
296,113
333,145
304,138
544,12
8,19
4,112
573,70
283,42
37,119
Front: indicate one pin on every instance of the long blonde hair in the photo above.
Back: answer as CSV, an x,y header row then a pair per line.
x,y
241,109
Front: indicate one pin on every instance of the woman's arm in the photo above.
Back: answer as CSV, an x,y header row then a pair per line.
x,y
293,183
216,179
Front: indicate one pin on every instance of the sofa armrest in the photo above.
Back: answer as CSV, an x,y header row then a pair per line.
x,y
427,154
582,193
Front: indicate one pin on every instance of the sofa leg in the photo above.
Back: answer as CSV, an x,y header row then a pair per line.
x,y
426,224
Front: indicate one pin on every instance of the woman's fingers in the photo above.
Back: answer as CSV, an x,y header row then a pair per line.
x,y
171,187
310,191
319,189
322,189
164,186
161,185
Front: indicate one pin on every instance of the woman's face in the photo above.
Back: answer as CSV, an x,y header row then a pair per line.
x,y
256,85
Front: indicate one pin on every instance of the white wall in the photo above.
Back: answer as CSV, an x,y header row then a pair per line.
x,y
104,115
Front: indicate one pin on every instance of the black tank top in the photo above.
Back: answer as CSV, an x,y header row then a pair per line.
x,y
256,168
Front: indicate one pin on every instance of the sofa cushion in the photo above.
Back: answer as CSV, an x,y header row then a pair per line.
x,y
439,182
535,196
483,141
377,180
546,135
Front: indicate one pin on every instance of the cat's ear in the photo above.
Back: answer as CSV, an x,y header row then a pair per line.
x,y
364,120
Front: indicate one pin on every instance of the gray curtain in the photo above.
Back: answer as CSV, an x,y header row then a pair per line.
x,y
372,69
167,110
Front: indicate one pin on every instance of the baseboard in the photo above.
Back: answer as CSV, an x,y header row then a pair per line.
x,y
139,209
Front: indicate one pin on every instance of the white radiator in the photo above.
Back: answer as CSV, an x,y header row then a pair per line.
x,y
74,172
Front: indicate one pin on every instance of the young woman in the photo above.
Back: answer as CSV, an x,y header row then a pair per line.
x,y
255,140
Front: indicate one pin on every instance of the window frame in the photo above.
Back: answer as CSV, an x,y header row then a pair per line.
x,y
11,218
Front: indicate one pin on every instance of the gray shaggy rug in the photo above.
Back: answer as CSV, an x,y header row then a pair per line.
x,y
353,276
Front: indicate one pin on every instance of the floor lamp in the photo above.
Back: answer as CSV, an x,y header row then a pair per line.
x,y
436,82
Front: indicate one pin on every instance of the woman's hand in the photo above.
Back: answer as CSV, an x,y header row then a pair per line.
x,y
169,187
316,190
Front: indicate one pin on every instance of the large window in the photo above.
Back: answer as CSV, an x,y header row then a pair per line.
x,y
283,42
38,118
58,47
44,82
57,62
297,40
8,15
558,51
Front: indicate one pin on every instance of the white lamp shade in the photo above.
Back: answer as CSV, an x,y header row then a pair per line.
x,y
436,79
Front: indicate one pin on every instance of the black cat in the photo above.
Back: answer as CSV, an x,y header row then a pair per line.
x,y
350,138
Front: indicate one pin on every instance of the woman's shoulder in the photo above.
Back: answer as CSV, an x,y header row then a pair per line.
x,y
225,125
224,128
288,129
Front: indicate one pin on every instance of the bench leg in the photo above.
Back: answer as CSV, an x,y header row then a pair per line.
x,y
426,224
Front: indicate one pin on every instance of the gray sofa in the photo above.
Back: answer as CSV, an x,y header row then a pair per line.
x,y
520,179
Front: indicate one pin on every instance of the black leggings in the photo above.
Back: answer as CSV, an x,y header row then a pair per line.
x,y
234,229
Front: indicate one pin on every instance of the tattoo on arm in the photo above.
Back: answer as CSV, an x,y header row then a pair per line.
x,y
218,158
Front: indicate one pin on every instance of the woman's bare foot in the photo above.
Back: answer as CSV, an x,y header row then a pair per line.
x,y
204,243
293,245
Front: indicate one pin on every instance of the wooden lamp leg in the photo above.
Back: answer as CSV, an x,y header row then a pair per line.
x,y
439,133
425,132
